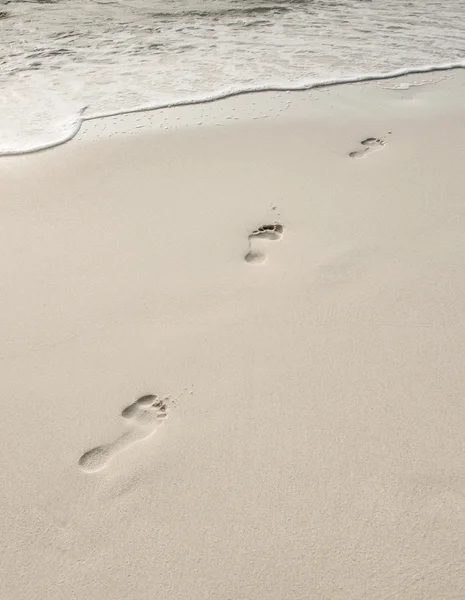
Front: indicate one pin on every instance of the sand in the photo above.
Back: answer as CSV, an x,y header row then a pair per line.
x,y
232,353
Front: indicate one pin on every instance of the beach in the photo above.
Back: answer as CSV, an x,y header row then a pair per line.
x,y
232,351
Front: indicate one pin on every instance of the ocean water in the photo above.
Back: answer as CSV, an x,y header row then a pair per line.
x,y
66,60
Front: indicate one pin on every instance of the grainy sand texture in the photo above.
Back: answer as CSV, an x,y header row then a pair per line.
x,y
232,351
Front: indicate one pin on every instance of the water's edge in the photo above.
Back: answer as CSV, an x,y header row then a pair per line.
x,y
234,93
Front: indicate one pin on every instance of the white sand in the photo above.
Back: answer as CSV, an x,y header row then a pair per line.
x,y
313,445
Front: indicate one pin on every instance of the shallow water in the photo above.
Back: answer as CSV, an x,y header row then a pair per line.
x,y
58,57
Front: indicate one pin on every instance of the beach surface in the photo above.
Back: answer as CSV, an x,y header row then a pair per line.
x,y
232,351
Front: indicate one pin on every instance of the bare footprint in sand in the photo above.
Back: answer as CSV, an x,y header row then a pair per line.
x,y
145,416
369,145
264,233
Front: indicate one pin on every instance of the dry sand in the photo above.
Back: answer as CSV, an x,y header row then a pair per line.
x,y
306,440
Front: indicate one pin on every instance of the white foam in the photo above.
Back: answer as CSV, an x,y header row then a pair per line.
x,y
299,87
71,125
150,54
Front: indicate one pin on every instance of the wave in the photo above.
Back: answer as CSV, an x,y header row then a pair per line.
x,y
225,12
76,125
122,56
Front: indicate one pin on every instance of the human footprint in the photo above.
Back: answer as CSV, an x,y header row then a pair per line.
x,y
265,232
145,415
369,145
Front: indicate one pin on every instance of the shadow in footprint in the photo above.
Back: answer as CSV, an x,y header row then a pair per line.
x,y
145,415
369,145
265,232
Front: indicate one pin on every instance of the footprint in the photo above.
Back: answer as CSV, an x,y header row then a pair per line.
x,y
369,145
145,415
265,232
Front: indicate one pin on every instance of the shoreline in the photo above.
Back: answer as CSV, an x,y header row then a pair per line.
x,y
82,119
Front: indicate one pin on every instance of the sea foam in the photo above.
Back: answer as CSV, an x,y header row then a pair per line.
x,y
64,63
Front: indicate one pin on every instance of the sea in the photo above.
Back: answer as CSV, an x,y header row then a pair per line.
x,y
62,61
